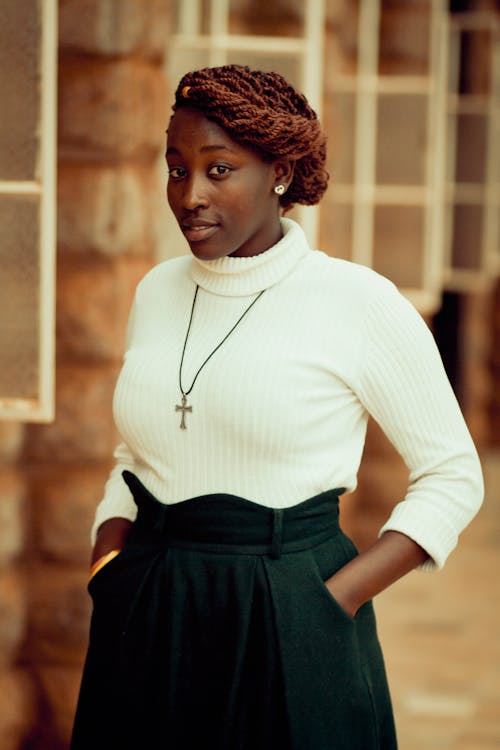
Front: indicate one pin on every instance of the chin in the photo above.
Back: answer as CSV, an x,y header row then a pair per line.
x,y
211,250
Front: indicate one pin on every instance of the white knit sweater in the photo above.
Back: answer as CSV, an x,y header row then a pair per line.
x,y
280,411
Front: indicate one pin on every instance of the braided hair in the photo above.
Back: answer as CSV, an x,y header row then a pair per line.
x,y
264,112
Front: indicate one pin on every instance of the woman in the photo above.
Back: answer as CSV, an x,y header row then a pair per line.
x,y
237,615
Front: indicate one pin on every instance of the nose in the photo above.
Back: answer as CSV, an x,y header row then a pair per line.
x,y
194,194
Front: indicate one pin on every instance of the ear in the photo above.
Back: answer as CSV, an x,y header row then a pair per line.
x,y
283,172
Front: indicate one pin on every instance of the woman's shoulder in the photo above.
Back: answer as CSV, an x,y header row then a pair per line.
x,y
352,280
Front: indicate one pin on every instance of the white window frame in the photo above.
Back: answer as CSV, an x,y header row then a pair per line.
x,y
41,407
366,84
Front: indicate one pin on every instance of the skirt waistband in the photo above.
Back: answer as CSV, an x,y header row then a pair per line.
x,y
227,522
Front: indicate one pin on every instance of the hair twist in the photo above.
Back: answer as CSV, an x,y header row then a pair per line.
x,y
263,111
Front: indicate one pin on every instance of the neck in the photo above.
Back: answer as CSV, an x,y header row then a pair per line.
x,y
240,276
272,237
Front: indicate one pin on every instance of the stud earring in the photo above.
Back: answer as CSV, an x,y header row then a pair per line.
x,y
279,189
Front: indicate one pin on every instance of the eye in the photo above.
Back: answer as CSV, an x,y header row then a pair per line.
x,y
176,173
219,170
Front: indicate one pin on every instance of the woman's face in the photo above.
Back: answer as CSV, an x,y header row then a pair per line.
x,y
220,192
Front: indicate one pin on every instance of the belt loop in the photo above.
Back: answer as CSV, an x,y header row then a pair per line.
x,y
277,533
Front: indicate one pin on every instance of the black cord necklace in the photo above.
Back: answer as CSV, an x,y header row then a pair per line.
x,y
183,407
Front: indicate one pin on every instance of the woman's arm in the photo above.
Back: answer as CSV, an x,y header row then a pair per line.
x,y
403,385
390,558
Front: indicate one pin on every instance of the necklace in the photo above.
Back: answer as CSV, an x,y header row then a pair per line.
x,y
183,407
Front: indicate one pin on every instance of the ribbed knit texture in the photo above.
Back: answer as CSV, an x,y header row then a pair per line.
x,y
280,411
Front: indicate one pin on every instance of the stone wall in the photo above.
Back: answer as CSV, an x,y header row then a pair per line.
x,y
17,707
113,110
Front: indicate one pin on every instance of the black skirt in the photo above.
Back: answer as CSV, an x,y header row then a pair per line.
x,y
213,628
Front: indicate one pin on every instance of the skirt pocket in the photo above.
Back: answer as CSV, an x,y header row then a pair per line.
x,y
338,608
325,687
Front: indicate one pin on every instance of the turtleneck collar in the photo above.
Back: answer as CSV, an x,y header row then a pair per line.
x,y
239,277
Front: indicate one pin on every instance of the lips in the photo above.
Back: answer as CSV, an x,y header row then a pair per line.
x,y
196,230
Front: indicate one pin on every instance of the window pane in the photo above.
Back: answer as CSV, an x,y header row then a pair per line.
x,y
289,67
471,148
401,139
19,301
404,37
265,18
339,121
467,237
341,37
185,60
398,244
19,54
336,228
192,17
477,46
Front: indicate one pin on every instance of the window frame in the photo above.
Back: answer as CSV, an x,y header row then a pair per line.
x,y
41,407
364,194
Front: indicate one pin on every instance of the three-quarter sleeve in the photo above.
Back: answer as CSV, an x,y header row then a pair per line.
x,y
117,501
403,385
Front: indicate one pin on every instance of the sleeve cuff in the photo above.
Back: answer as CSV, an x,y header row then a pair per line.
x,y
433,533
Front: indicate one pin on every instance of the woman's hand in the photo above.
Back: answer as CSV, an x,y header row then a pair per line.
x,y
390,558
110,536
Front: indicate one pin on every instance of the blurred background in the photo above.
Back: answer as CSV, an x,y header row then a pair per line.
x,y
409,93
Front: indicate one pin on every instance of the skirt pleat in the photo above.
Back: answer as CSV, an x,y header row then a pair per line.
x,y
213,627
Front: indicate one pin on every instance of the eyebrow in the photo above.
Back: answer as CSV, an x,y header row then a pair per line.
x,y
214,147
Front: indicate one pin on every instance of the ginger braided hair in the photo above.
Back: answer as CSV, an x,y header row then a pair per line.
x,y
264,112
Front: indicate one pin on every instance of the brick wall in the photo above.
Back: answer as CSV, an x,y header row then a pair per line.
x,y
17,705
